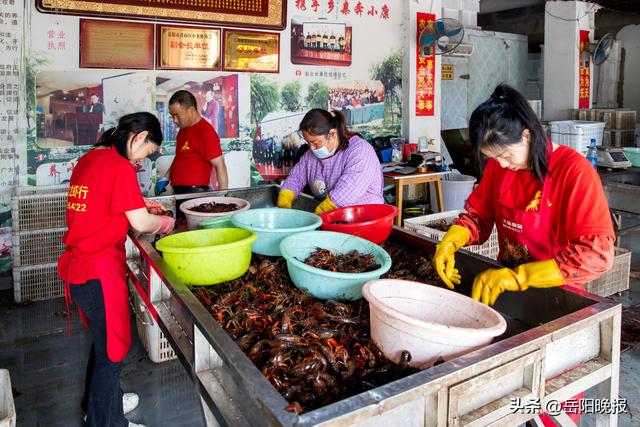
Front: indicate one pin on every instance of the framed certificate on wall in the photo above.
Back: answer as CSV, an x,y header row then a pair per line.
x,y
188,48
116,44
253,51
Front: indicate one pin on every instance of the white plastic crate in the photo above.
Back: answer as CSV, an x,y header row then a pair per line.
x,y
615,280
30,190
38,211
153,340
422,225
36,283
7,406
37,247
577,134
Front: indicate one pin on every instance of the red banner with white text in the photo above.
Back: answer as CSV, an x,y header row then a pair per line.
x,y
425,70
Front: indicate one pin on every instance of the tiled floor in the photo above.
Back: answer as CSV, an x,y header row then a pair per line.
x,y
47,367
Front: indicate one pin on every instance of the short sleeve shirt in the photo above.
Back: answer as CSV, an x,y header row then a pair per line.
x,y
196,146
103,187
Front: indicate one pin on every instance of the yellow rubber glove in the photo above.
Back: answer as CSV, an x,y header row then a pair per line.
x,y
325,206
489,284
444,258
285,199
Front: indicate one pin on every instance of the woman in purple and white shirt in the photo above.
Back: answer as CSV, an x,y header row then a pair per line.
x,y
341,168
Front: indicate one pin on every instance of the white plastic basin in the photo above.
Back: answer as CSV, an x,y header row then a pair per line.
x,y
195,218
431,323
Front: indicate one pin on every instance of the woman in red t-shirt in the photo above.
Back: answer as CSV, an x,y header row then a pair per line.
x,y
547,204
104,200
545,200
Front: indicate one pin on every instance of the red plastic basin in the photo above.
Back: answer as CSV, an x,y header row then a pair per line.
x,y
371,222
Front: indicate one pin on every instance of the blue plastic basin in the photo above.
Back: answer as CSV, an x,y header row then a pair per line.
x,y
325,284
271,225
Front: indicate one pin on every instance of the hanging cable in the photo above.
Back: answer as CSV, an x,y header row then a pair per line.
x,y
570,20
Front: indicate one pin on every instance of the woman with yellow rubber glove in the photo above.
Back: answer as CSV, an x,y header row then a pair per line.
x,y
545,200
341,168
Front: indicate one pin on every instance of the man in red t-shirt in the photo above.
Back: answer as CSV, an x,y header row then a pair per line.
x,y
197,150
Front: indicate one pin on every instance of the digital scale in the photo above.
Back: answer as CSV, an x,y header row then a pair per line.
x,y
614,158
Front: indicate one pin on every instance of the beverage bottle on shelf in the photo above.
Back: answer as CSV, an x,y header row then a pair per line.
x,y
592,153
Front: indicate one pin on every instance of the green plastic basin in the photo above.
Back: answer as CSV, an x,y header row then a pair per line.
x,y
224,222
208,257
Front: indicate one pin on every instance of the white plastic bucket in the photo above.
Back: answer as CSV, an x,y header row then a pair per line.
x,y
455,191
431,323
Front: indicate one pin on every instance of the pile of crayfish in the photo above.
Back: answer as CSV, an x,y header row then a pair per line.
x,y
313,352
350,262
213,207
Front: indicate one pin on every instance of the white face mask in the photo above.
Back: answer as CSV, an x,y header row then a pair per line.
x,y
323,152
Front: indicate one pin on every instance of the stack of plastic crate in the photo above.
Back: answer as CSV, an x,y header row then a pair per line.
x,y
620,124
577,134
616,279
622,132
153,339
425,225
38,223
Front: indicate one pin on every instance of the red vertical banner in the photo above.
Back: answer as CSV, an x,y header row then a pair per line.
x,y
585,76
425,70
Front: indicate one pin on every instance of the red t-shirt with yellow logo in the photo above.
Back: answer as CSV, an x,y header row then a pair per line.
x,y
196,146
103,187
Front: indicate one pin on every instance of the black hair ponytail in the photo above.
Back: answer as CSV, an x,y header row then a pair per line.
x,y
118,137
500,121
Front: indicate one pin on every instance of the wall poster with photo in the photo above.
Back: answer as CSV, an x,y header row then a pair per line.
x,y
361,101
216,95
276,143
70,108
325,43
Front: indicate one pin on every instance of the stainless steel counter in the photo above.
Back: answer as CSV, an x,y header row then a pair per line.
x,y
549,333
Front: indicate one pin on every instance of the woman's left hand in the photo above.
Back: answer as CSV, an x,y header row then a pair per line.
x,y
166,225
489,284
325,206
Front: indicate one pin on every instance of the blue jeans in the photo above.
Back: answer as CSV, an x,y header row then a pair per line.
x,y
102,399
